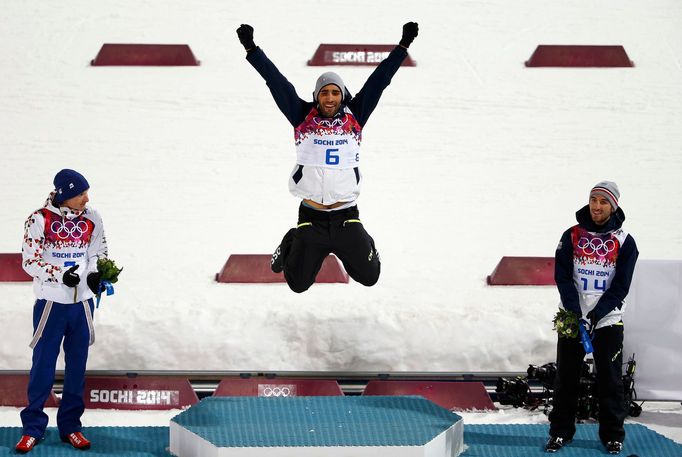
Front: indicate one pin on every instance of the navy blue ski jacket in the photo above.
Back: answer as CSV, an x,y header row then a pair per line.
x,y
295,109
627,253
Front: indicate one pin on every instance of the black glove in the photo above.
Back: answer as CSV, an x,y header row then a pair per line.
x,y
94,280
70,278
410,31
245,34
596,315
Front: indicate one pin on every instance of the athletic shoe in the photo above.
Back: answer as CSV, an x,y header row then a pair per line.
x,y
614,447
77,440
554,443
25,444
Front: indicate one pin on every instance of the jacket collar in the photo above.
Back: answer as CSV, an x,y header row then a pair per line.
x,y
585,220
63,211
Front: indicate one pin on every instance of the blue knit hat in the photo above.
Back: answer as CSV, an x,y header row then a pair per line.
x,y
69,183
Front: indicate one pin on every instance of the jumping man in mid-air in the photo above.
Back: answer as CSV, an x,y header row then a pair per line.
x,y
328,133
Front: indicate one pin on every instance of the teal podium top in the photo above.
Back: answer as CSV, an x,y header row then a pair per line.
x,y
316,421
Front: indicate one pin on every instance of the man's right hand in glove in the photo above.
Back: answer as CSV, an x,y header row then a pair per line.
x,y
245,34
410,32
94,281
71,278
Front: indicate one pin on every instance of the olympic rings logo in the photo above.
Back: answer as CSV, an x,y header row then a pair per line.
x,y
269,390
596,245
338,122
68,229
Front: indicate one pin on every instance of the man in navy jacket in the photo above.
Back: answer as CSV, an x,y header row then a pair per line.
x,y
326,177
595,261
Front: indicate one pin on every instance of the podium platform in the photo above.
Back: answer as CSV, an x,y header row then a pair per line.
x,y
482,440
315,426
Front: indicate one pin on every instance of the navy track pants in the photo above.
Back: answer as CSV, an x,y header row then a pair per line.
x,y
53,323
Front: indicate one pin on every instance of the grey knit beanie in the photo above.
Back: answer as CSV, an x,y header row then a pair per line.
x,y
608,190
329,78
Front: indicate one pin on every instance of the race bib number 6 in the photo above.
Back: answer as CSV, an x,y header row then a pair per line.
x,y
330,158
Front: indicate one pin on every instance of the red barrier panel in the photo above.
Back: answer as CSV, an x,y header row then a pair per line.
x,y
523,271
354,54
255,268
144,55
11,270
143,392
277,387
13,392
579,56
458,396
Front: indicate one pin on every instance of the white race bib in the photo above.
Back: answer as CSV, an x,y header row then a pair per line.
x,y
328,142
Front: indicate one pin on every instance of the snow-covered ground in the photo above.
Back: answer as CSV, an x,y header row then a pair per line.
x,y
469,156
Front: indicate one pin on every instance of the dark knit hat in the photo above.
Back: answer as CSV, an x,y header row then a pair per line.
x,y
329,78
69,183
608,190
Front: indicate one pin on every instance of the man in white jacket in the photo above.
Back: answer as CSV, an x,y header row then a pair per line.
x,y
62,242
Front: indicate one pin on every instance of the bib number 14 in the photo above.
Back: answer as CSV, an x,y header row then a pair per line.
x,y
599,284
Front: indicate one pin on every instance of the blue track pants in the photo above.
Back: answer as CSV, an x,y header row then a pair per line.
x,y
53,323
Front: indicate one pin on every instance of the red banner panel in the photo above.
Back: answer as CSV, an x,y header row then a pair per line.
x,y
277,387
255,268
144,55
455,396
10,268
354,54
523,271
13,390
141,392
546,55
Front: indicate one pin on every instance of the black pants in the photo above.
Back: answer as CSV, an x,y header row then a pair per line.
x,y
320,233
608,359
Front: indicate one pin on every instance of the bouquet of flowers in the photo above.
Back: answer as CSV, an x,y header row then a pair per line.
x,y
566,323
109,270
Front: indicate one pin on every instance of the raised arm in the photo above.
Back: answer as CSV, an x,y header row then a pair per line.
x,y
283,92
367,98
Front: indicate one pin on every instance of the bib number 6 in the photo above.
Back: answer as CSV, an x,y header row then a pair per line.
x,y
331,159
